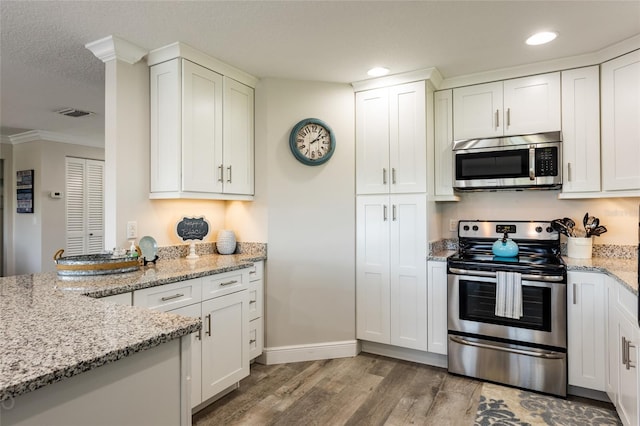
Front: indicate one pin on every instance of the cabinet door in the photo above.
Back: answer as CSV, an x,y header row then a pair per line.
x,y
166,126
627,404
477,111
408,271
408,138
225,342
620,125
581,129
372,142
613,356
238,136
443,137
532,104
201,128
193,311
372,268
586,319
437,307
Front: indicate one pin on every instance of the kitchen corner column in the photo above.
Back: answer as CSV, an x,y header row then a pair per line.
x,y
126,132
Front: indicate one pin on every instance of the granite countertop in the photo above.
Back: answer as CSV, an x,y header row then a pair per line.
x,y
50,330
625,271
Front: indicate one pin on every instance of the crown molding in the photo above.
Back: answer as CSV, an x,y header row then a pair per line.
x,y
587,59
42,135
182,50
430,74
113,47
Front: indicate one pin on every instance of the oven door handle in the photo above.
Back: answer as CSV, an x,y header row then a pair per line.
x,y
537,354
549,278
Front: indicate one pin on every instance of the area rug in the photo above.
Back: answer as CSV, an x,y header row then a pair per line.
x,y
501,405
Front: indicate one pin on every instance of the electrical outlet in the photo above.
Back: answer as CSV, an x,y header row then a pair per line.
x,y
132,229
453,225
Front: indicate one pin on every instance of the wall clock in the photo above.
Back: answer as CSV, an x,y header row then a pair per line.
x,y
312,141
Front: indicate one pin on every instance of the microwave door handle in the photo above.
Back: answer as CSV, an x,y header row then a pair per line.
x,y
532,163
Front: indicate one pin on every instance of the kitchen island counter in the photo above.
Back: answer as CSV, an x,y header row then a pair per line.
x,y
50,330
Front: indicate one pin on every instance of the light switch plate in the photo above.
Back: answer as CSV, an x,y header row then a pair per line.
x,y
132,229
453,225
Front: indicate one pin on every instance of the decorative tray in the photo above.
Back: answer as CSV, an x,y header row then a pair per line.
x,y
94,264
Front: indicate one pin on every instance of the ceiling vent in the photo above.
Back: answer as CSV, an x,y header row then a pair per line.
x,y
72,112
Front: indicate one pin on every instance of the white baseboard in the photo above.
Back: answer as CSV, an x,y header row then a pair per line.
x,y
310,352
412,355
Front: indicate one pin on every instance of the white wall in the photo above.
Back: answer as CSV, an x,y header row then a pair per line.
x,y
619,215
310,216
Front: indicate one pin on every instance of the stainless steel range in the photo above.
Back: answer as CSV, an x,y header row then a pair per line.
x,y
524,347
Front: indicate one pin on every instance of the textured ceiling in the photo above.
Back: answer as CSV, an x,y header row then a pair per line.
x,y
45,67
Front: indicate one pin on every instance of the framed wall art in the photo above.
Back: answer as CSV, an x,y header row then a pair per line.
x,y
24,191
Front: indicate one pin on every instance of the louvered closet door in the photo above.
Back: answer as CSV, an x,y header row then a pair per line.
x,y
84,206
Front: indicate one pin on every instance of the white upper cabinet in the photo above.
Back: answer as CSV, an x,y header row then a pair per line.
x,y
202,132
477,111
620,92
505,108
391,147
581,129
443,146
238,151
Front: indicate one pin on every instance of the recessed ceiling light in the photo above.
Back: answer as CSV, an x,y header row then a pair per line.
x,y
541,38
378,71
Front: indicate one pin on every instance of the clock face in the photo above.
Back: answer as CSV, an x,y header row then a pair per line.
x,y
312,141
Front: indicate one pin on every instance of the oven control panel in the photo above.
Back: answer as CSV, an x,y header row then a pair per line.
x,y
524,230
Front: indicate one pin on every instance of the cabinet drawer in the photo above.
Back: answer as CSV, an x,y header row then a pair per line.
x,y
169,296
226,283
256,272
255,300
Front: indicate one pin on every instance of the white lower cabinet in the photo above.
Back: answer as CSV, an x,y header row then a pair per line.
x,y
256,309
586,330
391,276
225,342
437,307
623,379
220,352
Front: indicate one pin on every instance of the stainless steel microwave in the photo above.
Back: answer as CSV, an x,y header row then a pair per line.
x,y
515,162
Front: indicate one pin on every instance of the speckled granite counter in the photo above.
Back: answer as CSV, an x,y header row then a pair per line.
x,y
441,255
49,330
625,271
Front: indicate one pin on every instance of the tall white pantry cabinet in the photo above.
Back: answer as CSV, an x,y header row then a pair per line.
x,y
391,215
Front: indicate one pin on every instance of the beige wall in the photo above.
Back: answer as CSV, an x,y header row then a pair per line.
x,y
36,237
619,215
6,154
307,213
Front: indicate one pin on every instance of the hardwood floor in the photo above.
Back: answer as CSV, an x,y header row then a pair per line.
x,y
363,390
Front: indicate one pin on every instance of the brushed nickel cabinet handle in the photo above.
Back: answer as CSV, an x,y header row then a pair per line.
x,y
629,346
228,283
393,213
384,176
384,213
508,117
568,172
229,173
220,173
175,296
208,317
574,294
199,336
497,118
624,350
252,341
393,175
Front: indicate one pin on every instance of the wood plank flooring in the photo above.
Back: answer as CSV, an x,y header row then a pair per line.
x,y
363,390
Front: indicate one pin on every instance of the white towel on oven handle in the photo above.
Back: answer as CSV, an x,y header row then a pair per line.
x,y
508,295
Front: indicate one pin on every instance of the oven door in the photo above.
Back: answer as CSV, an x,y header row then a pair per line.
x,y
471,303
508,166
